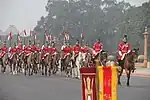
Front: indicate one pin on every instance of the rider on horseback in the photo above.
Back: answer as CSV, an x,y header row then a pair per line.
x,y
53,49
4,50
46,50
20,48
28,49
13,51
66,50
123,49
98,47
76,49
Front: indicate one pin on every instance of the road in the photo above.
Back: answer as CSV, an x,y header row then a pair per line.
x,y
19,87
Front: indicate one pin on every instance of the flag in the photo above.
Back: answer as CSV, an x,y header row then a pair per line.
x,y
35,36
82,36
25,33
30,33
18,36
66,36
54,39
46,36
10,36
50,37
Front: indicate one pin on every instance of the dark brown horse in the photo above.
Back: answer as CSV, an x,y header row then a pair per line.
x,y
28,64
54,63
4,61
13,63
20,62
46,64
101,57
65,64
128,65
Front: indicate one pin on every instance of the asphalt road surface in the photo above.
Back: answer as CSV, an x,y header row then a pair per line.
x,y
19,87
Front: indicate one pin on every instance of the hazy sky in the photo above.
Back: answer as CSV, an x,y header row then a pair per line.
x,y
25,13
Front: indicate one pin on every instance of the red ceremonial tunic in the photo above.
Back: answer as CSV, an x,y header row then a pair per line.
x,y
34,48
76,49
20,49
13,51
46,52
4,50
84,50
28,50
66,51
53,51
123,48
38,49
98,47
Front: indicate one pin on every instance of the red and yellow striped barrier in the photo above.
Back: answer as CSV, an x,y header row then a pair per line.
x,y
107,83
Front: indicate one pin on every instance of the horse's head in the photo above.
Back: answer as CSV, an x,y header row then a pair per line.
x,y
134,53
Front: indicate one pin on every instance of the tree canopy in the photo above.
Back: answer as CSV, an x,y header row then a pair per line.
x,y
108,20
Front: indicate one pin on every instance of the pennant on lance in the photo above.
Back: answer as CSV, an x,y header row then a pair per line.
x,y
18,36
25,33
10,36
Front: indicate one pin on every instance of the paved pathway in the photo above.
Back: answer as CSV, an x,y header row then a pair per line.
x,y
58,88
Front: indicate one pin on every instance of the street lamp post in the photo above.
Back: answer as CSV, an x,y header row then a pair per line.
x,y
145,46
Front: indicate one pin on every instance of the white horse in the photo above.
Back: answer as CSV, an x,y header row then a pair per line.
x,y
78,64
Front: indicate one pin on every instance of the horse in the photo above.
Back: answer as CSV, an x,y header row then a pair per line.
x,y
101,57
4,61
35,61
20,62
28,64
46,64
54,63
13,63
128,65
86,59
66,64
78,64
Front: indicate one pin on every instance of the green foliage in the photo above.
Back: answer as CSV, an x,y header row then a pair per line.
x,y
105,19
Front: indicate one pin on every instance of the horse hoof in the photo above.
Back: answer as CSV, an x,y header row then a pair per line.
x,y
128,84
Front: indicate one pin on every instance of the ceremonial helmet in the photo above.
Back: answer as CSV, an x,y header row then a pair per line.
x,y
124,38
53,43
77,43
29,42
98,40
15,44
4,43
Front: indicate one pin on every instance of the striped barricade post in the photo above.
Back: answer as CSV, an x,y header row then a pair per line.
x,y
108,83
88,83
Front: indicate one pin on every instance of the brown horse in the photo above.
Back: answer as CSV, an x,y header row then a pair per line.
x,y
46,63
101,57
13,63
128,65
35,61
28,64
54,63
65,64
4,61
87,59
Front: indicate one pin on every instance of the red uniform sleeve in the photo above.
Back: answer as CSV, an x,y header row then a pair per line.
x,y
102,46
94,45
119,47
129,47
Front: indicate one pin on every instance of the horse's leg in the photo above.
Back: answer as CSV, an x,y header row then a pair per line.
x,y
43,65
120,74
46,69
128,77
